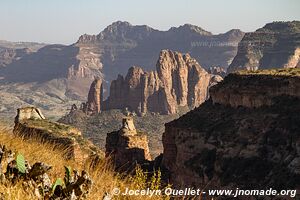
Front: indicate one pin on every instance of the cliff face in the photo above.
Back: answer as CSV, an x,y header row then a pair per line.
x,y
254,91
179,80
245,136
276,45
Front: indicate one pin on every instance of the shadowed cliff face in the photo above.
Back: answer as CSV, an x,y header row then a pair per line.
x,y
245,136
276,45
179,80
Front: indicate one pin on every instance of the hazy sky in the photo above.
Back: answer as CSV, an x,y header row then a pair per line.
x,y
63,21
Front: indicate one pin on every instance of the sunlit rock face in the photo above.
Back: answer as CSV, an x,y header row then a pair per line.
x,y
276,45
179,80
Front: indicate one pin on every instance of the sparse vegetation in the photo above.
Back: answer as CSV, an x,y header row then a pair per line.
x,y
273,72
96,127
103,177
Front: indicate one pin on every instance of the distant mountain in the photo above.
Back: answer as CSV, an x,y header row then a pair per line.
x,y
66,72
122,45
11,51
20,45
118,47
276,45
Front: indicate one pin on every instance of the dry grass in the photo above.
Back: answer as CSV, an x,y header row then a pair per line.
x,y
273,72
104,178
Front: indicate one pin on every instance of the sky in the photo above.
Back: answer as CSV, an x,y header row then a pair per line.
x,y
63,21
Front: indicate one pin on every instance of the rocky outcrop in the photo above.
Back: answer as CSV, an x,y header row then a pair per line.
x,y
127,147
29,113
241,90
95,98
216,70
31,124
248,139
179,80
276,45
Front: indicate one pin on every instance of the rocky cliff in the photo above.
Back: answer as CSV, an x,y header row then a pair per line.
x,y
255,89
31,124
276,45
127,147
179,80
95,98
245,136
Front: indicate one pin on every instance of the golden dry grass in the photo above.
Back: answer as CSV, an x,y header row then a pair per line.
x,y
104,178
273,72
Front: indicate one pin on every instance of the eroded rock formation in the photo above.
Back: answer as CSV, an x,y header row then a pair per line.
x,y
28,113
179,80
276,45
31,124
127,147
245,136
95,97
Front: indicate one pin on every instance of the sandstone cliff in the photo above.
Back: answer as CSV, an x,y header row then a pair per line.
x,y
127,147
31,124
276,45
179,80
245,136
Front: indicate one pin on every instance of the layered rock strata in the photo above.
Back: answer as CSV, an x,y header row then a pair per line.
x,y
276,45
245,136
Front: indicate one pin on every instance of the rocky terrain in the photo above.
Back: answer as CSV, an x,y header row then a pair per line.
x,y
95,127
31,124
127,147
64,73
178,84
179,80
245,136
122,45
276,45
